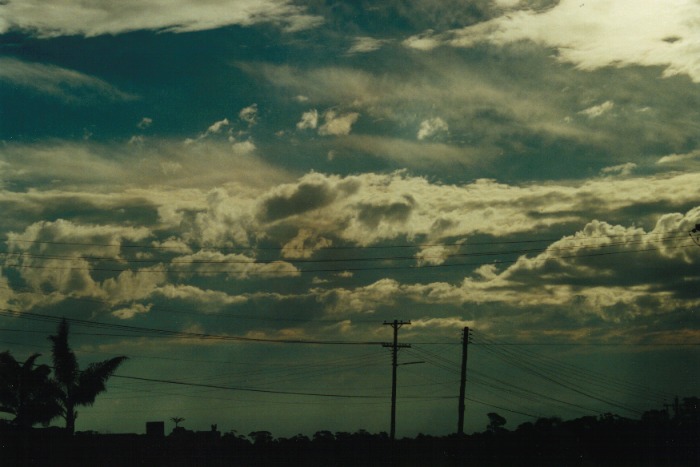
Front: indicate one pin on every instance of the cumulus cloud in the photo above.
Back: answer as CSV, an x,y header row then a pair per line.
x,y
337,124
433,254
314,192
63,83
249,114
580,276
432,127
309,120
645,33
74,17
216,127
59,256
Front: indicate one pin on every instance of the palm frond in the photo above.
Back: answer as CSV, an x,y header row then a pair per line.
x,y
91,381
64,361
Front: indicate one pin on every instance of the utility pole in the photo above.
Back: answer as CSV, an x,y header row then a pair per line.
x,y
394,363
463,381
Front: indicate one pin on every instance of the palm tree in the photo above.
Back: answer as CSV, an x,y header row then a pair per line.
x,y
26,391
77,387
177,421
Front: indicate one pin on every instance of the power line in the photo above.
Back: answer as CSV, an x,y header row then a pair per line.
x,y
331,247
294,272
336,260
178,334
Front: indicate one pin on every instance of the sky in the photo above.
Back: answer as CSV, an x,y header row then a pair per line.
x,y
238,194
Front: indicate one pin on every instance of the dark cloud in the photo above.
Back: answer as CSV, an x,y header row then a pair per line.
x,y
305,197
395,212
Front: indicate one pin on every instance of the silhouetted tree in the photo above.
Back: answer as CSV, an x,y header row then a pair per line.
x,y
177,421
496,422
26,391
261,437
77,387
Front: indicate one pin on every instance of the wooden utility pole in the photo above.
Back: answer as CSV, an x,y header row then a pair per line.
x,y
463,381
394,363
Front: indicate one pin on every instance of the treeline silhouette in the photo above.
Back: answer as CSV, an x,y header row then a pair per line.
x,y
35,394
658,438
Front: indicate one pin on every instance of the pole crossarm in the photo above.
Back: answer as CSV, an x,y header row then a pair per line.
x,y
400,346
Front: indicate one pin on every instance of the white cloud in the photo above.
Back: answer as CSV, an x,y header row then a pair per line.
x,y
679,158
598,110
366,44
447,322
216,127
337,124
213,300
75,17
309,120
133,310
433,255
249,114
63,83
432,127
622,169
595,33
239,266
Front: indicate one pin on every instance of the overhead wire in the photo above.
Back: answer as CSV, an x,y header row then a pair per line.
x,y
509,357
446,264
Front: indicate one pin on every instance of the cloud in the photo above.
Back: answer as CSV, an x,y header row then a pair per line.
x,y
133,310
337,124
82,167
365,44
304,245
481,106
424,155
249,114
68,85
238,266
598,110
309,120
432,127
647,33
447,322
216,127
288,200
679,158
213,300
622,169
145,123
74,17
573,277
59,255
